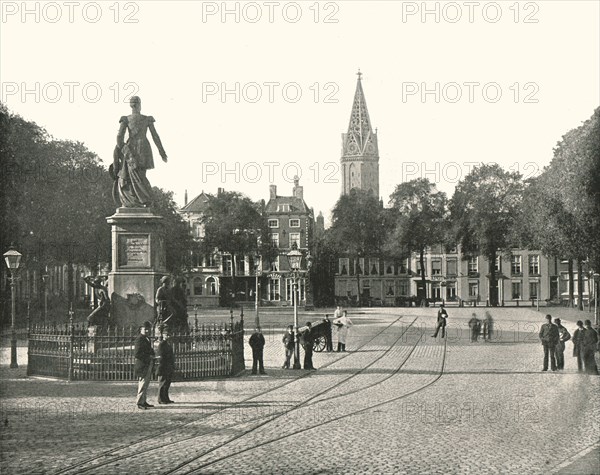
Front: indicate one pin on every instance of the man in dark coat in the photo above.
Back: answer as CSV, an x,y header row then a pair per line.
x,y
288,342
578,345
328,334
474,326
590,341
144,362
166,367
257,343
442,317
307,343
563,337
549,337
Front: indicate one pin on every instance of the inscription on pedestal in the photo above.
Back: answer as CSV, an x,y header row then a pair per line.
x,y
134,251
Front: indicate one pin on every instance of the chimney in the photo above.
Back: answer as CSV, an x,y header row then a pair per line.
x,y
272,191
185,199
298,190
220,191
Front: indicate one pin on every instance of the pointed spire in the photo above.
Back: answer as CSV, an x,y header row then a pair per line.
x,y
360,139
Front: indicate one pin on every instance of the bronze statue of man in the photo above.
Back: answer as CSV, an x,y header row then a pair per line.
x,y
133,157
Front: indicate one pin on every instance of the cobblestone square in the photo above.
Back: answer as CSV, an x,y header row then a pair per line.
x,y
398,401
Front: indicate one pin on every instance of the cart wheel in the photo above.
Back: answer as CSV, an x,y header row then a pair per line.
x,y
319,344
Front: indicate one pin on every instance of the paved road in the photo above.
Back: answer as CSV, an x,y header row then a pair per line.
x,y
398,401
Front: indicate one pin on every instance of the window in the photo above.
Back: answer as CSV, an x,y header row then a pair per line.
x,y
451,267
275,264
436,267
366,284
240,265
515,265
273,223
389,285
451,290
274,289
403,287
198,230
198,286
226,265
533,290
275,239
294,223
516,290
295,238
289,290
389,268
283,207
472,267
360,264
374,266
403,266
211,285
436,290
344,264
534,265
210,260
474,290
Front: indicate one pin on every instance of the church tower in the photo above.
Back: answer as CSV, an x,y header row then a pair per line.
x,y
360,153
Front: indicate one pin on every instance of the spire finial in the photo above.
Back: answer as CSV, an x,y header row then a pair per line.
x,y
359,74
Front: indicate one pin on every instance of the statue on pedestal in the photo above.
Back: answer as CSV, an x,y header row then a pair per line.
x,y
99,317
133,157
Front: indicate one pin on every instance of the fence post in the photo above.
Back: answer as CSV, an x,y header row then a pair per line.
x,y
71,342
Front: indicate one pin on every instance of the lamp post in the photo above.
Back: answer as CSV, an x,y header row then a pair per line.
x,y
596,291
13,259
45,278
295,259
256,287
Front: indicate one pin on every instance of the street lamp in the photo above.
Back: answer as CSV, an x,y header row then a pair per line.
x,y
295,259
596,292
13,259
256,287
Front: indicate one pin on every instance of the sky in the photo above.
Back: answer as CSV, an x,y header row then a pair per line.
x,y
249,94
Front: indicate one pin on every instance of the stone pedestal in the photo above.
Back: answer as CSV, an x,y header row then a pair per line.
x,y
138,263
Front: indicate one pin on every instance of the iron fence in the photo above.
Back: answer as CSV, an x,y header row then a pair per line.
x,y
77,353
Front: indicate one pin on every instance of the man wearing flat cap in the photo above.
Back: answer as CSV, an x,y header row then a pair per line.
x,y
144,363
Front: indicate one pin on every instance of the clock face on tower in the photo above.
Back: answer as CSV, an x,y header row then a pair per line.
x,y
352,148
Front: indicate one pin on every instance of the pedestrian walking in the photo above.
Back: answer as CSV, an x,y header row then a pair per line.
x,y
166,367
488,326
343,325
328,334
337,313
257,343
474,326
590,341
549,337
563,337
578,345
307,340
288,343
144,363
442,318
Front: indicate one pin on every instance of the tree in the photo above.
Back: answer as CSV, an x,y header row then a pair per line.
x,y
419,221
358,227
234,224
484,210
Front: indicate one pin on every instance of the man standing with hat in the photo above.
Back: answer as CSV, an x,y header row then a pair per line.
x,y
563,336
144,362
549,337
166,367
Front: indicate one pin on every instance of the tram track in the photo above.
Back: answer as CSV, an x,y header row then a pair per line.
x,y
280,437
80,467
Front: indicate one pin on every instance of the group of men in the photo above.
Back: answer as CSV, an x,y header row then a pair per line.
x,y
146,360
585,341
306,339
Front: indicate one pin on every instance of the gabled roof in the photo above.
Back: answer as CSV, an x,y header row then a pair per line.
x,y
197,205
